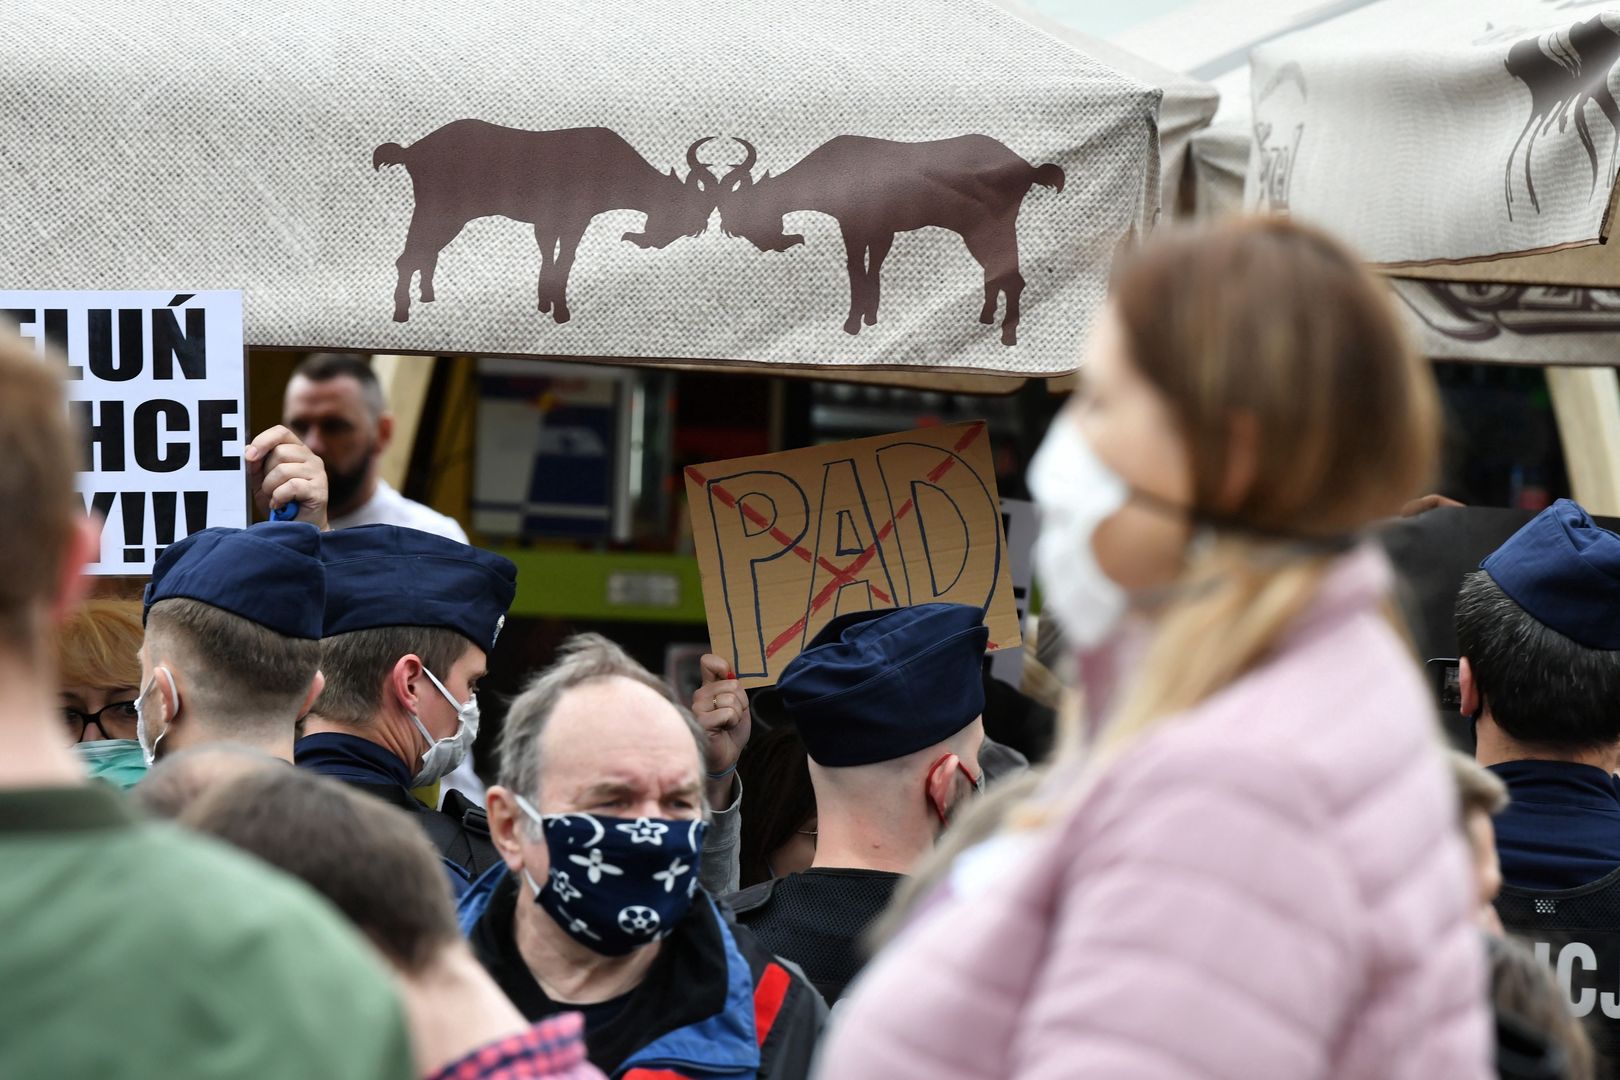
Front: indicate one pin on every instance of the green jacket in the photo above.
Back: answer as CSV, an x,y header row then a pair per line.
x,y
137,950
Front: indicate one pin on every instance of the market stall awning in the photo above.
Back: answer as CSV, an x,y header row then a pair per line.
x,y
1470,150
629,182
1467,149
1451,131
1188,106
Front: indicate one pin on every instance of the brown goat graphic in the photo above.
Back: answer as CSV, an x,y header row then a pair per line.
x,y
556,181
1563,72
972,185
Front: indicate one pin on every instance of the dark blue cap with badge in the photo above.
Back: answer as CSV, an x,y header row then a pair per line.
x,y
878,685
385,575
270,574
1563,569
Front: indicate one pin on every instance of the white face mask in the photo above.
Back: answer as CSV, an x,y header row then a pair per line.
x,y
149,746
1076,493
443,756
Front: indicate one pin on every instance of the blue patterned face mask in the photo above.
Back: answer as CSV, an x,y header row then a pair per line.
x,y
617,884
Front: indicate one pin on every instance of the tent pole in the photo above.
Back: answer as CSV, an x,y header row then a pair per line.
x,y
1586,402
405,381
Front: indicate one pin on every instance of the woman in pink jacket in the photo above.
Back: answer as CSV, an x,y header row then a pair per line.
x,y
1252,868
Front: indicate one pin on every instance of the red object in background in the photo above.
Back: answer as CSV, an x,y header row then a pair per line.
x,y
1533,499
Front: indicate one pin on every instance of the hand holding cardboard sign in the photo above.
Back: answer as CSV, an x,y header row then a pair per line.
x,y
786,542
721,708
283,470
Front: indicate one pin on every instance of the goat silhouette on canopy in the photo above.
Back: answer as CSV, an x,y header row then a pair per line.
x,y
557,181
1564,71
875,188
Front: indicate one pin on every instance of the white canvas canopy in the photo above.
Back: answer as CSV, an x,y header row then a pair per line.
x,y
1494,128
584,180
1466,147
1447,131
1211,40
1188,106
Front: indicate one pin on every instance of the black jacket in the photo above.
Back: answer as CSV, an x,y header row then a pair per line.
x,y
714,1003
460,831
818,919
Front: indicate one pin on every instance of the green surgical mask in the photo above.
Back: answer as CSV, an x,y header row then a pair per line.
x,y
117,761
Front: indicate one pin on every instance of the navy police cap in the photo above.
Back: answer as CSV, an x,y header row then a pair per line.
x,y
384,575
269,574
878,685
1564,570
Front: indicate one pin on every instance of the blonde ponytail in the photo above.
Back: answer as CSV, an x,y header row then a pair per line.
x,y
1273,330
1237,606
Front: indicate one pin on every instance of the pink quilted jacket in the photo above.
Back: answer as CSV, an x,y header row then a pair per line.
x,y
1271,886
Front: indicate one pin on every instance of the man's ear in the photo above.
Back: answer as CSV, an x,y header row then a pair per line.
x,y
83,548
385,431
505,819
168,695
1469,692
404,682
316,685
941,784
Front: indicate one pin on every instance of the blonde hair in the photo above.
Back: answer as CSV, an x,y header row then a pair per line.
x,y
1272,333
1269,340
1478,789
99,645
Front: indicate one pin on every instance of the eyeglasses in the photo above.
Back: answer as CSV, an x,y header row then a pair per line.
x,y
115,720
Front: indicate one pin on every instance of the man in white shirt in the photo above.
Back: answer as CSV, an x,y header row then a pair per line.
x,y
335,404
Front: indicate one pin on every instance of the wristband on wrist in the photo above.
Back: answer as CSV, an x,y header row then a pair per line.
x,y
721,775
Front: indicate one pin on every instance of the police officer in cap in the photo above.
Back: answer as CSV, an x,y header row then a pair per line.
x,y
1538,627
889,704
232,639
410,618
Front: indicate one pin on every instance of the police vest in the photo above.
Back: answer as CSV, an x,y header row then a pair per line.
x,y
1576,932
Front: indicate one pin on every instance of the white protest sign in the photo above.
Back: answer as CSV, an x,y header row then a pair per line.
x,y
155,383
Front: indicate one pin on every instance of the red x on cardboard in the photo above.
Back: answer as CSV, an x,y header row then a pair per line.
x,y
788,541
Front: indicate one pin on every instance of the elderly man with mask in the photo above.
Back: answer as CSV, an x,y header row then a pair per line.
x,y
600,819
409,620
889,704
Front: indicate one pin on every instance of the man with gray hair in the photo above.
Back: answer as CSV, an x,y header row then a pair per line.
x,y
599,818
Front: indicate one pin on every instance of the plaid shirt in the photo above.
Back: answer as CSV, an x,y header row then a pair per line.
x,y
553,1049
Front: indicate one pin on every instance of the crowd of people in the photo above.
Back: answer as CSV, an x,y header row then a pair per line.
x,y
1244,851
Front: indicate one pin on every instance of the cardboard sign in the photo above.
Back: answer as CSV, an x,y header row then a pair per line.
x,y
155,382
1019,525
788,541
